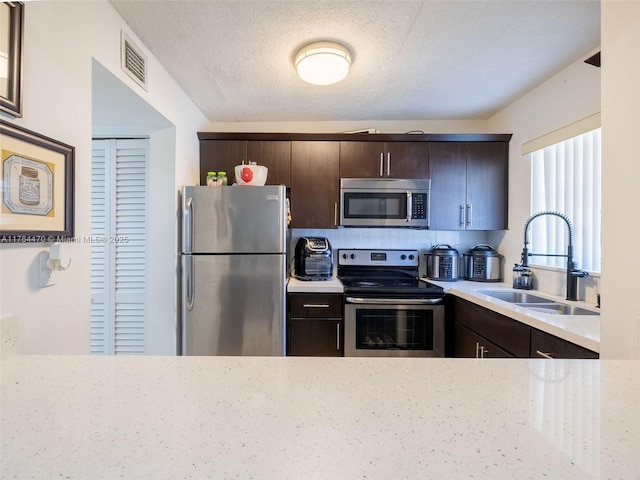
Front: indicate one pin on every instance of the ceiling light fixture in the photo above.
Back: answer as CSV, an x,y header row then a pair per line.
x,y
323,63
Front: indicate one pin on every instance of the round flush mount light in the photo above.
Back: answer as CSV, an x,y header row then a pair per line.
x,y
323,63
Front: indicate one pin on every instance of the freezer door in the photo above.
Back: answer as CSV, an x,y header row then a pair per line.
x,y
233,304
236,219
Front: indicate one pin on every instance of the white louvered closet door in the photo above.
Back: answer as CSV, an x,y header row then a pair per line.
x,y
118,248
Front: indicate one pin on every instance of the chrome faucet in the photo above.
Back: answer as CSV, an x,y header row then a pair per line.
x,y
572,272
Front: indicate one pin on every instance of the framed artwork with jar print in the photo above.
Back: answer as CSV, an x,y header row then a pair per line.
x,y
11,28
36,198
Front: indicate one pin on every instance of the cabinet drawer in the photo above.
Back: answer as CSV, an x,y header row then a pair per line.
x,y
315,305
509,334
556,347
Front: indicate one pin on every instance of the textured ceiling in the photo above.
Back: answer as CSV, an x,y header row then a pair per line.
x,y
412,60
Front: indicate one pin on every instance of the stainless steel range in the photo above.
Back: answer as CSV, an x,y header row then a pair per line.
x,y
389,311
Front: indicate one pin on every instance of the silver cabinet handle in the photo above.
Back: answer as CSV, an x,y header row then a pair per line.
x,y
337,336
543,354
388,164
484,350
462,215
469,214
477,350
335,214
381,164
315,305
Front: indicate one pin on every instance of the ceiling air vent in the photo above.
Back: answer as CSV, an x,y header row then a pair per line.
x,y
133,61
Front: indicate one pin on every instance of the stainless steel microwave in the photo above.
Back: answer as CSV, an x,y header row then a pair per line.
x,y
384,202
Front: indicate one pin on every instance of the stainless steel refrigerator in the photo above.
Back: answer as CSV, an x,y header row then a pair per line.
x,y
233,270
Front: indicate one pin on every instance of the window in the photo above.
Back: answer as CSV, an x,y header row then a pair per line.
x,y
566,177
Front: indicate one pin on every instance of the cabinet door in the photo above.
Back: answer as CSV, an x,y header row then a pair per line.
x,y
276,156
468,344
321,337
447,170
406,159
544,345
314,184
487,191
508,334
361,159
221,156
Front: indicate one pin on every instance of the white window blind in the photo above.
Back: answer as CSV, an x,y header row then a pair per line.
x,y
118,252
566,177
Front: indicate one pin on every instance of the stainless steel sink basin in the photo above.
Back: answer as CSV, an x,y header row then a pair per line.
x,y
557,308
515,297
538,304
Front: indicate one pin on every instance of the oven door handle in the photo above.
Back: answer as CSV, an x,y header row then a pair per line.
x,y
394,301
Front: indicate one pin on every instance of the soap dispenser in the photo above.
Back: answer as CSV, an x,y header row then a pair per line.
x,y
522,277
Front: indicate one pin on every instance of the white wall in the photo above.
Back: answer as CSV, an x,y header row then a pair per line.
x,y
569,96
620,330
388,126
61,41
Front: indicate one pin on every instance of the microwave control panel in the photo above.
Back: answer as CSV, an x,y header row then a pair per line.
x,y
419,206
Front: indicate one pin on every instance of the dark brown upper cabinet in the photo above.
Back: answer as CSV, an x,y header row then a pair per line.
x,y
468,172
314,184
224,155
359,159
468,185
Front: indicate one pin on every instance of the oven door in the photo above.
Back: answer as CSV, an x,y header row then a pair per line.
x,y
392,327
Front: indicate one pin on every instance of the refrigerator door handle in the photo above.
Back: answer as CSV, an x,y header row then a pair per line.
x,y
187,227
190,291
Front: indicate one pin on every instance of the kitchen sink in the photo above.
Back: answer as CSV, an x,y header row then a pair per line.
x,y
537,304
515,297
557,308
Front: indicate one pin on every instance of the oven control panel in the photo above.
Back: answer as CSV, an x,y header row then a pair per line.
x,y
387,258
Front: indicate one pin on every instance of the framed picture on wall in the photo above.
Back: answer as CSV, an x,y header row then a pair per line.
x,y
36,199
11,26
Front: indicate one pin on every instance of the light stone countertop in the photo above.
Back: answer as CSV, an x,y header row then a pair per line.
x,y
579,329
331,285
84,417
583,330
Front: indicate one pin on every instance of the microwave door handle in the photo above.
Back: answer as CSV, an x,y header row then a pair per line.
x,y
409,206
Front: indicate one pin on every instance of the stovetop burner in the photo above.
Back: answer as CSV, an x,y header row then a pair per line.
x,y
383,272
395,286
363,283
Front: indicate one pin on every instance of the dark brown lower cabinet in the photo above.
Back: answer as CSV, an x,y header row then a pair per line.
x,y
468,344
482,333
506,333
315,325
318,337
545,345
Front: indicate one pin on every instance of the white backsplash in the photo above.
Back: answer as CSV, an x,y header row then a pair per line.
x,y
401,238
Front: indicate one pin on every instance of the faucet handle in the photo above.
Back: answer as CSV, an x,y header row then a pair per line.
x,y
579,273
